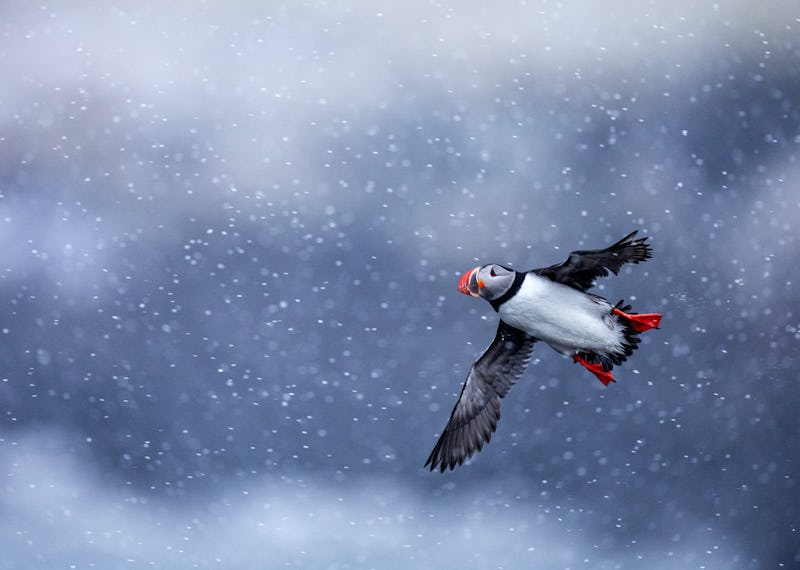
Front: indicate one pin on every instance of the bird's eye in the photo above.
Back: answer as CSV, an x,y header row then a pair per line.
x,y
492,273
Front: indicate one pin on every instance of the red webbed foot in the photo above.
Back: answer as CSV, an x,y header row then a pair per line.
x,y
604,376
641,321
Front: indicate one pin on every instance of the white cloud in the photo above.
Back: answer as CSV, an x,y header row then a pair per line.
x,y
58,511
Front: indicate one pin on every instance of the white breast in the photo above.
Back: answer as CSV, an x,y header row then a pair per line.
x,y
563,317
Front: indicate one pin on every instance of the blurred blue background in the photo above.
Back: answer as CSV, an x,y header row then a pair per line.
x,y
229,329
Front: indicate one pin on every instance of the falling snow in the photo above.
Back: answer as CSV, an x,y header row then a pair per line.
x,y
229,326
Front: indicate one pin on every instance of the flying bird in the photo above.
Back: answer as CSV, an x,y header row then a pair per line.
x,y
551,305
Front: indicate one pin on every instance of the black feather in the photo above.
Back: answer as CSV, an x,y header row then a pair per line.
x,y
477,411
581,268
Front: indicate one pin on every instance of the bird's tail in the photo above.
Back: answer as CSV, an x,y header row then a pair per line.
x,y
632,325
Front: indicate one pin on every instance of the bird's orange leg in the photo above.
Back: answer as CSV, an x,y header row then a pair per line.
x,y
642,321
604,376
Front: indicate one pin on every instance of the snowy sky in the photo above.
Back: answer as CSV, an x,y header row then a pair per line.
x,y
229,324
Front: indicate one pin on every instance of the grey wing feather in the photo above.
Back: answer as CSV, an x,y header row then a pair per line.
x,y
581,268
475,415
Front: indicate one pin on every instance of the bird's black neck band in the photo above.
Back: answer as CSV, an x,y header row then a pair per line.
x,y
519,277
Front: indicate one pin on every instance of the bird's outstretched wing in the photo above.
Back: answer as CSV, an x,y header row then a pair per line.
x,y
582,267
477,410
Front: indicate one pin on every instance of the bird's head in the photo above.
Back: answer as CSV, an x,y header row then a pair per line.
x,y
488,281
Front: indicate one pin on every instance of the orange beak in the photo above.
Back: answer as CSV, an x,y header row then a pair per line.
x,y
468,284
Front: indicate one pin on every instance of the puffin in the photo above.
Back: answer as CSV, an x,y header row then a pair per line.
x,y
551,305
